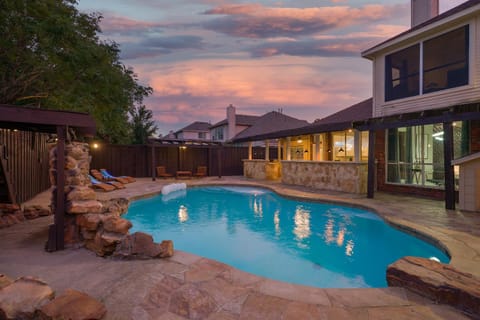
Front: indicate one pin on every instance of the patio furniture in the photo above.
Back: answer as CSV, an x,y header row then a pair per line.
x,y
184,174
122,179
162,172
116,183
100,185
201,171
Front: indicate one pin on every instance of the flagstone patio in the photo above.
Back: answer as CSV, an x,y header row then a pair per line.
x,y
191,287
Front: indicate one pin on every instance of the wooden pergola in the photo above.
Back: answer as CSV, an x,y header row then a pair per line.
x,y
61,123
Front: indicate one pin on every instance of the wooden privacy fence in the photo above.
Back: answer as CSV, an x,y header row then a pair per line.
x,y
23,162
137,160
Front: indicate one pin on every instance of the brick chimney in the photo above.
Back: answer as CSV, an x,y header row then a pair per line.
x,y
423,10
232,122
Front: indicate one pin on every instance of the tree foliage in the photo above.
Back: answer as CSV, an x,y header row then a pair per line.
x,y
51,57
143,125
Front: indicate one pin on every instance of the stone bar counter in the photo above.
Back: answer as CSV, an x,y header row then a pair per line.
x,y
325,175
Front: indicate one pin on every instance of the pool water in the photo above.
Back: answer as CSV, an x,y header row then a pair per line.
x,y
258,231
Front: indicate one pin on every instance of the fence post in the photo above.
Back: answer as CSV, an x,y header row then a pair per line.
x,y
219,160
153,162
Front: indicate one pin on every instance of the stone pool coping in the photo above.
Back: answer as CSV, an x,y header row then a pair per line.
x,y
188,286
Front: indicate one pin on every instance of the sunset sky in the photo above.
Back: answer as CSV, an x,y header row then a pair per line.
x,y
302,56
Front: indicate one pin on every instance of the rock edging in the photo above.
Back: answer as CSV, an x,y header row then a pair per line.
x,y
437,281
31,298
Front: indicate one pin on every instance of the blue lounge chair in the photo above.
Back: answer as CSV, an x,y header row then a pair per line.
x,y
100,185
122,179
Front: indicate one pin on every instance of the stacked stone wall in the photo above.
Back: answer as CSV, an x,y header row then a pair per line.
x,y
254,169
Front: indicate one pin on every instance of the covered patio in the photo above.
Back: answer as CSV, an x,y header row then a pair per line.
x,y
330,154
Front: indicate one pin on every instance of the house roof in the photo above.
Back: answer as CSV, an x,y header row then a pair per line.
x,y
196,126
240,120
338,121
450,13
268,123
360,111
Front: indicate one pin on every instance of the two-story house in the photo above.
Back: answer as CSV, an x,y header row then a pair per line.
x,y
228,128
197,130
426,98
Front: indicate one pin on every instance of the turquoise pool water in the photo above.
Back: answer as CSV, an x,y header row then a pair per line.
x,y
258,231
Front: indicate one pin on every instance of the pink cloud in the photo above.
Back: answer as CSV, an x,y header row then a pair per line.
x,y
113,23
258,21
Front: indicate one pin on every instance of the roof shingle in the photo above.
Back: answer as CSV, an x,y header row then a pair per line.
x,y
196,126
271,122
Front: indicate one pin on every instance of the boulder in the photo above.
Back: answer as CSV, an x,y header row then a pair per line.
x,y
166,248
104,243
9,208
89,206
73,305
89,221
20,299
116,224
76,150
19,215
35,211
437,281
76,180
109,238
4,281
115,207
141,246
88,235
70,162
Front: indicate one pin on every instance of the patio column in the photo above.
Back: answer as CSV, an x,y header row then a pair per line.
x,y
447,160
279,149
288,148
357,145
316,150
371,164
250,146
56,231
267,150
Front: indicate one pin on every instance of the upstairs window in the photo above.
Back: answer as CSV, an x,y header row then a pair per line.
x,y
402,73
445,61
433,65
217,134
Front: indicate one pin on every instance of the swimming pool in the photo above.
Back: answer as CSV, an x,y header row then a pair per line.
x,y
258,231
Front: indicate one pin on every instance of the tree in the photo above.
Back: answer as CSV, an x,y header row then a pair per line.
x,y
143,125
51,57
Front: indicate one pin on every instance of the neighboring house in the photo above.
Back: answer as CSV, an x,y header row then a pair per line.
x,y
228,128
426,95
270,122
197,130
242,127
